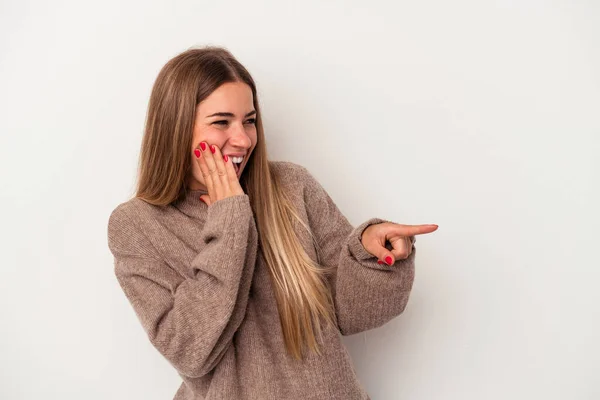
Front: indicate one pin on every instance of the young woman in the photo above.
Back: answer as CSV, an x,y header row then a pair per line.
x,y
242,271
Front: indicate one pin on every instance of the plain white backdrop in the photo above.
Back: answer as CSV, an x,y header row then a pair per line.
x,y
480,116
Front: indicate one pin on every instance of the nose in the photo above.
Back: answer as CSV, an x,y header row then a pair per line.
x,y
239,138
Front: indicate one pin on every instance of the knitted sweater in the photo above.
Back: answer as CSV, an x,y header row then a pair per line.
x,y
197,281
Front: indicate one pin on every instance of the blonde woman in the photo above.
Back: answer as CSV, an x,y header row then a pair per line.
x,y
242,271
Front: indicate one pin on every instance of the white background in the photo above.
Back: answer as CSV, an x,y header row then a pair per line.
x,y
480,116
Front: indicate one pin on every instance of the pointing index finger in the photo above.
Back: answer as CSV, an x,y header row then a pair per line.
x,y
410,230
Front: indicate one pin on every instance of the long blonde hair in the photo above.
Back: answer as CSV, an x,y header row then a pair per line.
x,y
300,285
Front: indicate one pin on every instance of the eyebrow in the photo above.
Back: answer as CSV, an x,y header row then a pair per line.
x,y
228,114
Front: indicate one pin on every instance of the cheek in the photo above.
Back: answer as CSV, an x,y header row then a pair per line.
x,y
209,135
254,138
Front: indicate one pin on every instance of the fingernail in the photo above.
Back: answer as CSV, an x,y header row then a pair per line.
x,y
212,148
225,158
197,153
379,262
203,145
388,260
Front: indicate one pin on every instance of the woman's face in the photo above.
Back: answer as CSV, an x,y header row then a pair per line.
x,y
226,119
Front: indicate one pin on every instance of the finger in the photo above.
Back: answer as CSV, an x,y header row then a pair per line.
x,y
402,247
206,199
231,175
384,255
221,169
203,148
389,259
411,230
213,171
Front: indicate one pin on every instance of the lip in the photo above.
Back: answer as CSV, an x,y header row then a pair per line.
x,y
240,154
244,161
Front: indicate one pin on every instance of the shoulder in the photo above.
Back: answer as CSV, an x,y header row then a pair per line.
x,y
287,168
125,233
299,180
294,173
127,211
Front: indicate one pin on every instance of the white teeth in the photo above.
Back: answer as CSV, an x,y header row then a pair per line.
x,y
237,160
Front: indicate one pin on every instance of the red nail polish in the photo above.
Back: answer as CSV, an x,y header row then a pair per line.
x,y
225,158
197,153
212,148
203,145
379,262
388,260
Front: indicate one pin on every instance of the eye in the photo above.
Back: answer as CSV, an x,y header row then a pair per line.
x,y
222,122
251,121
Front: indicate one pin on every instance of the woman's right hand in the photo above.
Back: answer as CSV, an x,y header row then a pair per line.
x,y
219,175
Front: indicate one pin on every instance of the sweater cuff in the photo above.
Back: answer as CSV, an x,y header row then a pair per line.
x,y
226,230
222,213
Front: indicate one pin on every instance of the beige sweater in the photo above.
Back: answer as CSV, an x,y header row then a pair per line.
x,y
198,284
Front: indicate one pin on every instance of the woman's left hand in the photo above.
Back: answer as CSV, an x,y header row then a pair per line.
x,y
374,240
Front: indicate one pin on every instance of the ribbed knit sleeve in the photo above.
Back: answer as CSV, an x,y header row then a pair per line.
x,y
366,294
191,320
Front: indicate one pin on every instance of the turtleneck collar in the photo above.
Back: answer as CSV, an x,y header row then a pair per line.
x,y
191,205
